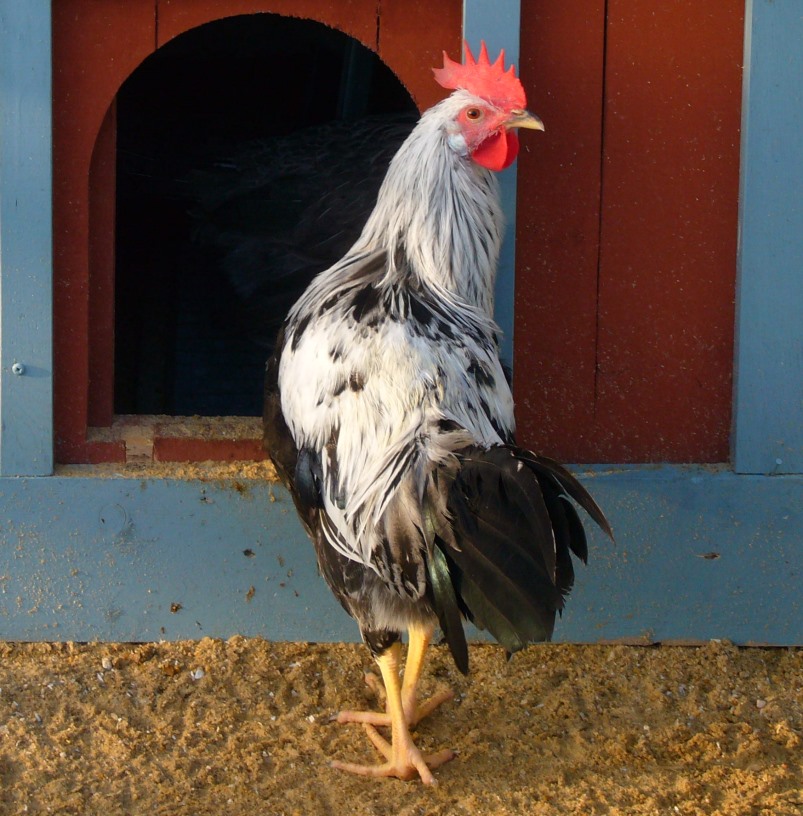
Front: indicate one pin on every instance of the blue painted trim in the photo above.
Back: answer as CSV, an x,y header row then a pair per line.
x,y
88,558
498,23
768,434
26,397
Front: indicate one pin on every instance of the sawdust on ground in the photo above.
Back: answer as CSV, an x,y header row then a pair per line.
x,y
245,727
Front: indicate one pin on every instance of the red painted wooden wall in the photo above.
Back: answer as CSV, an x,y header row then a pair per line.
x,y
96,46
626,212
627,218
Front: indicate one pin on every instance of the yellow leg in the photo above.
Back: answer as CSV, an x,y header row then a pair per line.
x,y
404,760
420,638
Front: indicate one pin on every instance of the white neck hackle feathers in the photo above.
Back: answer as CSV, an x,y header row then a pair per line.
x,y
441,209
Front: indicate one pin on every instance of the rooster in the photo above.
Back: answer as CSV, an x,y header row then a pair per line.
x,y
389,418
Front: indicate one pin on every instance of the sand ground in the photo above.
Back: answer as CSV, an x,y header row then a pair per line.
x,y
245,727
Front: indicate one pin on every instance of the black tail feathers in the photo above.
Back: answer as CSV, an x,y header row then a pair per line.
x,y
502,529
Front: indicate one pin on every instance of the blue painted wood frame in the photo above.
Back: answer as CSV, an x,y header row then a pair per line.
x,y
700,553
26,365
499,23
768,428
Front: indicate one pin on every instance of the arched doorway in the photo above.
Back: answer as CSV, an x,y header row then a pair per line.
x,y
249,152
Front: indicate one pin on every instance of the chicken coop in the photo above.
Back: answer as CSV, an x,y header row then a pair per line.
x,y
166,171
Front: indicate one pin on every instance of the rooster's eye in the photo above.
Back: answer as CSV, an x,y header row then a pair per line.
x,y
473,114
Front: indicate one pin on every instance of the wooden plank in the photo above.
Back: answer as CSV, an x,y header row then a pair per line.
x,y
160,438
26,365
562,47
669,228
768,434
412,39
96,45
358,18
90,558
172,449
627,356
102,222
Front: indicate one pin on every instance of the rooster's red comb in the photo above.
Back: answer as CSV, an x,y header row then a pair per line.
x,y
483,78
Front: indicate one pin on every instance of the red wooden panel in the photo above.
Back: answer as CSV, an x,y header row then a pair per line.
x,y
96,45
624,340
357,18
102,187
177,449
557,240
412,39
668,240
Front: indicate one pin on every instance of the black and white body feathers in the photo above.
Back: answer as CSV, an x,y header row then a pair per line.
x,y
390,419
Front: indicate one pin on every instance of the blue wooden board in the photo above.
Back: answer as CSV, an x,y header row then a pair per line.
x,y
26,375
768,432
84,558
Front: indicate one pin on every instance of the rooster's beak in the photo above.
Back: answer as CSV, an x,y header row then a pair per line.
x,y
524,119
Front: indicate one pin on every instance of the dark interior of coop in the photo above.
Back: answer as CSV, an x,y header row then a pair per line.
x,y
248,153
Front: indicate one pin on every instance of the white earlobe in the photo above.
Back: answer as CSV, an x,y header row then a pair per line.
x,y
457,142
